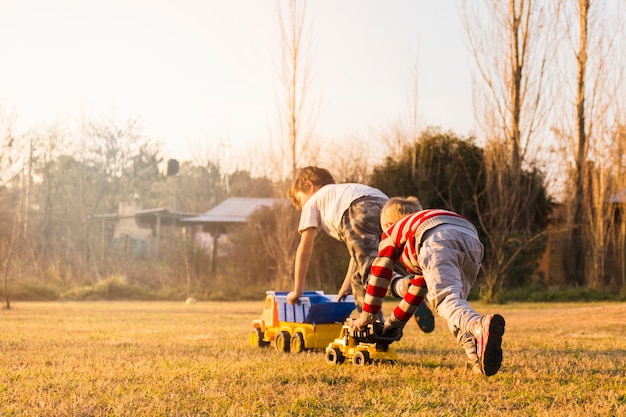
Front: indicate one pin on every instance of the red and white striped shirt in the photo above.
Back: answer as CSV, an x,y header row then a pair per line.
x,y
402,243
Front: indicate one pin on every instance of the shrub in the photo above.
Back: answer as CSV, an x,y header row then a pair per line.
x,y
115,287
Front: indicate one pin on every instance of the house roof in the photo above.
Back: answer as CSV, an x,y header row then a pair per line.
x,y
233,210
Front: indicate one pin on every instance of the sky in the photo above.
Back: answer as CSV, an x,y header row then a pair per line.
x,y
204,71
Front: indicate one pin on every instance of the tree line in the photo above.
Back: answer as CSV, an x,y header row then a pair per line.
x,y
52,247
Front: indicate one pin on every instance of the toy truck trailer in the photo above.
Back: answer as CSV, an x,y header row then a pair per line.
x,y
362,347
311,324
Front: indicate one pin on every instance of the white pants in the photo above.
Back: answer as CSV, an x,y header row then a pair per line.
x,y
450,258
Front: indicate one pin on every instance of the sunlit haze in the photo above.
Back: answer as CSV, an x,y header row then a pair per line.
x,y
205,71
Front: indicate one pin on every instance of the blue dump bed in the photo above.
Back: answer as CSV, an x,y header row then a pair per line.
x,y
314,307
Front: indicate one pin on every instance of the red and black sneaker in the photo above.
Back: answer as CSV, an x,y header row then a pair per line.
x,y
488,334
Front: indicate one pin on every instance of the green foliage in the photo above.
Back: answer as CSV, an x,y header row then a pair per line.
x,y
524,253
449,172
538,208
441,169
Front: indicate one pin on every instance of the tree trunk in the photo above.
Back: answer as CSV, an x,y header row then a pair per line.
x,y
578,216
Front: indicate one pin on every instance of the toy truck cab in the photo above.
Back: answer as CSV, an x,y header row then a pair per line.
x,y
362,347
310,324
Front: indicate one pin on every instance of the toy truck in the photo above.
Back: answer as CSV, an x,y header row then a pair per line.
x,y
311,324
362,347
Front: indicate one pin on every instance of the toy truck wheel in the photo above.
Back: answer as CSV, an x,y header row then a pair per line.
x,y
283,340
334,356
256,338
361,358
297,342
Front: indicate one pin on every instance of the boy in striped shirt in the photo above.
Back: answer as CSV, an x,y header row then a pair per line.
x,y
444,252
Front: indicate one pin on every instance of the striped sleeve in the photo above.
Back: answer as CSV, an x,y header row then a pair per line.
x,y
380,276
409,304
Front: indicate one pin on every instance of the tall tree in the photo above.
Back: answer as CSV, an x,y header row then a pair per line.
x,y
592,45
509,41
512,42
297,111
582,149
9,148
9,217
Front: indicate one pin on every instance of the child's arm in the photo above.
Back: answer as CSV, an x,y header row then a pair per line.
x,y
378,283
409,303
303,257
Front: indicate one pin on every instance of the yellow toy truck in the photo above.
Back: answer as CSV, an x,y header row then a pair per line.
x,y
363,347
311,324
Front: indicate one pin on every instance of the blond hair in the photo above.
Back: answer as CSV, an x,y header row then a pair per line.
x,y
397,208
315,175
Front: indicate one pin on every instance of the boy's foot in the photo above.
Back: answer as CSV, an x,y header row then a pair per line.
x,y
488,336
424,318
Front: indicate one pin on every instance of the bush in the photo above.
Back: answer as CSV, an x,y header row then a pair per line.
x,y
32,292
115,287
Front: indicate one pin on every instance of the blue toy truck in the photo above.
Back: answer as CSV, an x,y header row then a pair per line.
x,y
313,323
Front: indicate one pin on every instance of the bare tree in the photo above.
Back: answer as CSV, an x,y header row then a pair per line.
x,y
582,149
347,160
619,214
9,217
510,44
594,34
297,112
8,246
9,149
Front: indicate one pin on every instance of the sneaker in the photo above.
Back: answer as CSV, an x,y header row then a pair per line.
x,y
424,318
488,336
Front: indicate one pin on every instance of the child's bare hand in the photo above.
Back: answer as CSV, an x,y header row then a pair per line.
x,y
359,324
293,297
344,292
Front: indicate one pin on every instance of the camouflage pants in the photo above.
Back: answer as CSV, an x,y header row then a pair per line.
x,y
360,230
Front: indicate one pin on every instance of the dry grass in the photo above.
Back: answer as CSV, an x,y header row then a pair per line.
x,y
173,359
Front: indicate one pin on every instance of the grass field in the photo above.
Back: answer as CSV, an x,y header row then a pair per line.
x,y
173,359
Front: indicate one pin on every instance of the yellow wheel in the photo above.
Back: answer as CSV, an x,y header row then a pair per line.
x,y
283,340
256,338
297,342
334,356
361,358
